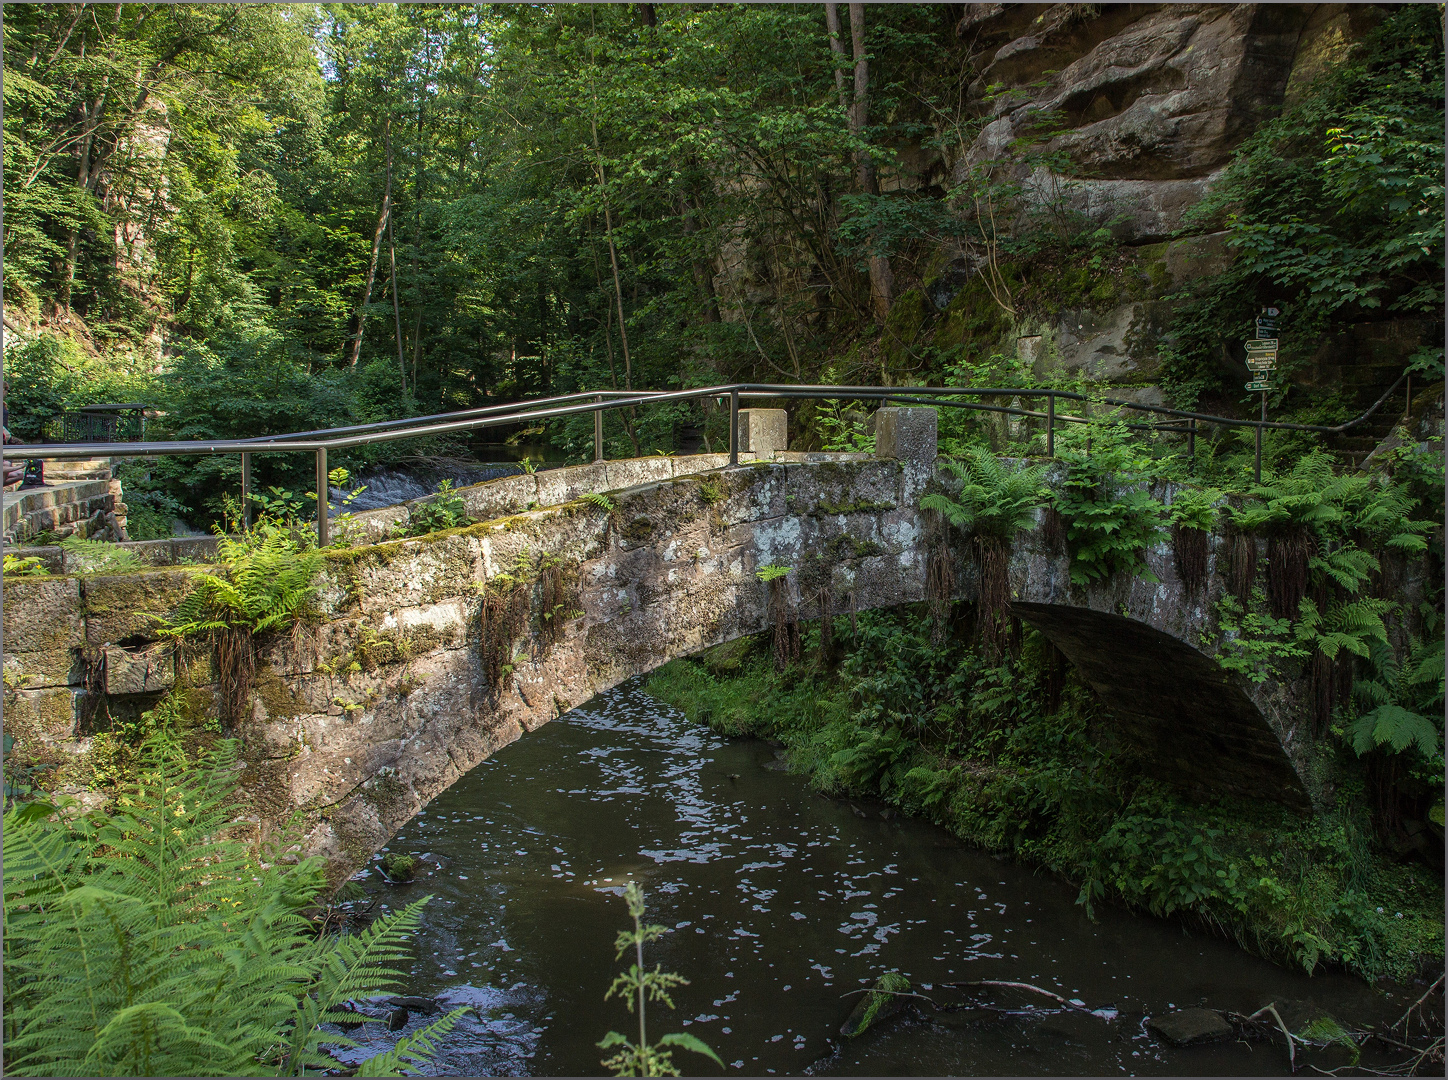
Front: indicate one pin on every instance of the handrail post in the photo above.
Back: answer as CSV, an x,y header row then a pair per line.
x,y
246,491
1050,425
1408,399
1192,437
598,431
733,427
322,523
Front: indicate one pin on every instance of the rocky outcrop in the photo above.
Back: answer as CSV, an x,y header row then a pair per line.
x,y
1152,98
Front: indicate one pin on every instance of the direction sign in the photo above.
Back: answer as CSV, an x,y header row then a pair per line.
x,y
1259,385
1261,344
1256,363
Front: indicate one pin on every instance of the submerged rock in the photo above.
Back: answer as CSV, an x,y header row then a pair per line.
x,y
881,1003
1187,1027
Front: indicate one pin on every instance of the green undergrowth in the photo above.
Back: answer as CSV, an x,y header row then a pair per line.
x,y
1021,759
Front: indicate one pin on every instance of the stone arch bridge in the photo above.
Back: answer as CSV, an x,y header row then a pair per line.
x,y
361,721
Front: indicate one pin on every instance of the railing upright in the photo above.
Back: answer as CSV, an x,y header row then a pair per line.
x,y
734,426
598,431
1192,437
246,491
1050,425
322,523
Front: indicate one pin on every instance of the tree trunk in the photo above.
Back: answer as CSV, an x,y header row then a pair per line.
x,y
703,271
882,280
612,258
837,46
396,308
354,343
647,13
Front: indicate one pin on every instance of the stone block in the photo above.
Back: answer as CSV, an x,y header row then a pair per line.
x,y
43,716
196,549
1185,1027
635,471
43,667
763,431
500,498
122,606
697,463
562,485
131,671
42,613
153,552
907,435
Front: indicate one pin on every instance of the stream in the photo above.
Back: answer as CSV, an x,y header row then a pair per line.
x,y
779,902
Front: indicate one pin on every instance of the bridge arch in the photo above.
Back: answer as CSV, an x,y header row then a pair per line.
x,y
387,703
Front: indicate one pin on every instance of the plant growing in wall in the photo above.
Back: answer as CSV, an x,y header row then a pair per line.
x,y
637,987
1105,500
782,616
444,510
1193,512
263,583
149,943
996,501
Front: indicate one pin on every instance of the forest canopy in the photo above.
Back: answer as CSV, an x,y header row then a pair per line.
x,y
259,218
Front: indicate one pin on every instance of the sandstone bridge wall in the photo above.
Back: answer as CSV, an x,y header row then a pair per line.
x,y
361,719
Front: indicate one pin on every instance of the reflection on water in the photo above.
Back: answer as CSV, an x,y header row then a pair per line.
x,y
780,902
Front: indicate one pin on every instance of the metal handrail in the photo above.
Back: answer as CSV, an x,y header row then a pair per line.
x,y
321,441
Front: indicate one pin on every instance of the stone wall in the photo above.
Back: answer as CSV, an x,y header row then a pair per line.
x,y
384,702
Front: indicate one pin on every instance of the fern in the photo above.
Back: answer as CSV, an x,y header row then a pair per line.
x,y
598,499
1111,517
1351,625
769,572
1405,701
1193,508
149,943
995,500
84,556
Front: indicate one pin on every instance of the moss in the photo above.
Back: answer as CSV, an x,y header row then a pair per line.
x,y
276,697
908,316
859,506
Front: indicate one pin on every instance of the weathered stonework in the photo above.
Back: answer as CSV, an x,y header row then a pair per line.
x,y
382,704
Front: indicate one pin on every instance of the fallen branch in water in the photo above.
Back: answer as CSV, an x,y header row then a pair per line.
x,y
1405,1017
1291,1050
892,993
1025,986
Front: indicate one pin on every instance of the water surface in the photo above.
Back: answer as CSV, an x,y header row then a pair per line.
x,y
780,902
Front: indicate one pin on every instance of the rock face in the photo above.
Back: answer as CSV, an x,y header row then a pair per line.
x,y
1153,98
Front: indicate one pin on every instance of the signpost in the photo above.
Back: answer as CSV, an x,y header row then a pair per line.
x,y
1261,362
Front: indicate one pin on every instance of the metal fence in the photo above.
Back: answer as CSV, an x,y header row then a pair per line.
x,y
98,424
321,442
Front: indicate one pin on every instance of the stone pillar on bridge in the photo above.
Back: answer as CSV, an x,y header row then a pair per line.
x,y
908,436
763,431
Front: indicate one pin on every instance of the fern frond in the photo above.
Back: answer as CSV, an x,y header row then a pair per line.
x,y
412,1051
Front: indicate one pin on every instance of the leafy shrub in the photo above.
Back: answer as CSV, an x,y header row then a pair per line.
x,y
150,943
30,566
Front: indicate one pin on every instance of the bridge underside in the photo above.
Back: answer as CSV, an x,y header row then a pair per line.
x,y
1192,724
